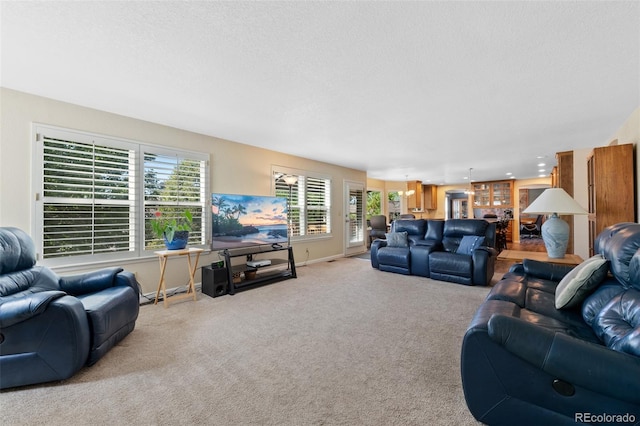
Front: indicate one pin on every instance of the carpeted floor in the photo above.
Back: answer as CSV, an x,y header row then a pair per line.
x,y
343,344
501,266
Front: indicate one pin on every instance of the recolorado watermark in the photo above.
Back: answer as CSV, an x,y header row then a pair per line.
x,y
604,418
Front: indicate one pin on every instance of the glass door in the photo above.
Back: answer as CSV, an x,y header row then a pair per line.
x,y
460,209
355,215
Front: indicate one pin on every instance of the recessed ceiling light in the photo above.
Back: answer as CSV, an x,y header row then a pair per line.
x,y
542,175
509,173
466,177
542,170
541,164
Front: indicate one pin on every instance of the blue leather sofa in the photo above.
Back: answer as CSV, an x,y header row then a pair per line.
x,y
433,250
52,326
525,361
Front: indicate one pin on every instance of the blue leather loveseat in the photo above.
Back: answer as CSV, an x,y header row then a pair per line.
x,y
52,326
558,345
438,249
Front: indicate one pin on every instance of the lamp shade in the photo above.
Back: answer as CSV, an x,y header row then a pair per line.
x,y
554,200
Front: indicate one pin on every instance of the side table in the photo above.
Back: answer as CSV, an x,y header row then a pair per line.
x,y
163,257
519,255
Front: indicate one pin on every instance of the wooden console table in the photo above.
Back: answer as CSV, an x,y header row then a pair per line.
x,y
518,255
163,256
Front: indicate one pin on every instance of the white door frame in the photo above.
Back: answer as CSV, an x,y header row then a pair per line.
x,y
359,245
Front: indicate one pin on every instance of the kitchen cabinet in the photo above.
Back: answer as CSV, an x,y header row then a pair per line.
x,y
414,200
495,194
429,197
502,194
481,194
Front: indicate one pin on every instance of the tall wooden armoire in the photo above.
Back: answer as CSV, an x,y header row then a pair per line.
x,y
611,188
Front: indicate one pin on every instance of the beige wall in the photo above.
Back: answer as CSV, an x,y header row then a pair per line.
x,y
629,132
581,222
235,168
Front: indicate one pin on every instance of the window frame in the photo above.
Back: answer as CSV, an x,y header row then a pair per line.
x,y
281,170
137,188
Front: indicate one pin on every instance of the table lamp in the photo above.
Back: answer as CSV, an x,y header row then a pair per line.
x,y
555,231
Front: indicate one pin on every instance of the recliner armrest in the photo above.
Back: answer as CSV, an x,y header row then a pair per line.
x,y
90,282
15,310
576,361
490,250
126,278
546,270
375,245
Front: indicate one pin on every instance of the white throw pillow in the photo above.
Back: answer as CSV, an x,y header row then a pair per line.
x,y
581,281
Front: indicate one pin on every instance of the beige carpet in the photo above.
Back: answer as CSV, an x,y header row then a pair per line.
x,y
343,344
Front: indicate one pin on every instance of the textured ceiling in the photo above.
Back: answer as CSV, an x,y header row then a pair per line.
x,y
423,90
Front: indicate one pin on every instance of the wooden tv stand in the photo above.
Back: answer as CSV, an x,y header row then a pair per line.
x,y
264,274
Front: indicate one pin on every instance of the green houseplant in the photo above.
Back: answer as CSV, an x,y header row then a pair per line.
x,y
171,228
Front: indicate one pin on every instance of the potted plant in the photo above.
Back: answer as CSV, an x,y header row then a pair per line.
x,y
175,232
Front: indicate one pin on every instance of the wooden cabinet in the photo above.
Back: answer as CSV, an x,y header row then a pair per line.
x,y
562,177
414,199
481,195
502,194
510,231
496,194
564,172
610,180
430,197
424,197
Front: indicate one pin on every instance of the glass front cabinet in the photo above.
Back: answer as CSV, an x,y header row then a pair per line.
x,y
481,194
501,194
498,194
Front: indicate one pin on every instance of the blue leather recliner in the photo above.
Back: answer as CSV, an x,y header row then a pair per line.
x,y
433,250
526,362
52,326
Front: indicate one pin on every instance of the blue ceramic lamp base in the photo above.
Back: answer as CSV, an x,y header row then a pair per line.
x,y
555,234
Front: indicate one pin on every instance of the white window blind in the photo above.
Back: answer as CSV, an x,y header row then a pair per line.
x,y
310,213
173,184
87,198
97,195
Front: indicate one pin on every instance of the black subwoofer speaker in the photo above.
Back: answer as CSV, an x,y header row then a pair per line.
x,y
214,281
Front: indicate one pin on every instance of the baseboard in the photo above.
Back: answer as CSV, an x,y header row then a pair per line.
x,y
146,298
320,260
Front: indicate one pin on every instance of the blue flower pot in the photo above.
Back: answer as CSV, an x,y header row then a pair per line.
x,y
180,240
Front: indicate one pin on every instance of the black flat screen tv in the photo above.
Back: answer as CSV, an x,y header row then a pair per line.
x,y
247,220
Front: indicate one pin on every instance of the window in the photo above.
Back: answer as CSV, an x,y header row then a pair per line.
x,y
310,202
172,184
394,206
89,198
374,203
